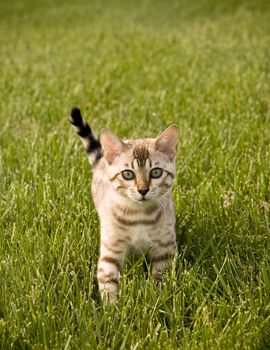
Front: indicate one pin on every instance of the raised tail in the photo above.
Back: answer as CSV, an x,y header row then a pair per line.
x,y
90,141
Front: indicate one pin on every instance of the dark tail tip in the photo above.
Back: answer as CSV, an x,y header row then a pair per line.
x,y
75,116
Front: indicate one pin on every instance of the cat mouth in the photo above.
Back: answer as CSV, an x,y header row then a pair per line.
x,y
140,200
143,199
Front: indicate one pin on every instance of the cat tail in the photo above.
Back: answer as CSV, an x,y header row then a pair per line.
x,y
90,141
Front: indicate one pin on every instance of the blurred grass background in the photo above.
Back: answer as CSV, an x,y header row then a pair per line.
x,y
135,67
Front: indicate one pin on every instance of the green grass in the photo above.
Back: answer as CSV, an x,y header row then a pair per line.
x,y
136,67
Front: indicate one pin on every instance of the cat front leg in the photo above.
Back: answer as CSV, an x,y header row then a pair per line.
x,y
109,268
161,256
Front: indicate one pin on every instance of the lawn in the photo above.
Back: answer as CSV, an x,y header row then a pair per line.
x,y
135,67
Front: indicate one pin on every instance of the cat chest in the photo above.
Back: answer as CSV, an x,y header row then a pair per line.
x,y
141,234
142,238
137,230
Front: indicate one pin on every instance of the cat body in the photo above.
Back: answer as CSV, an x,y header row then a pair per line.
x,y
131,190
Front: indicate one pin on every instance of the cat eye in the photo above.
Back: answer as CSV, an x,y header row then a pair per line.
x,y
128,175
156,173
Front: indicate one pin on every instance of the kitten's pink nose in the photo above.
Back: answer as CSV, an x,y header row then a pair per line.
x,y
143,191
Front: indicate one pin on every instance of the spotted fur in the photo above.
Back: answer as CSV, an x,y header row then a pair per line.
x,y
136,214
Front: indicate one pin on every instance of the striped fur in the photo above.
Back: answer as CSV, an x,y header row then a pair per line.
x,y
136,215
91,143
141,154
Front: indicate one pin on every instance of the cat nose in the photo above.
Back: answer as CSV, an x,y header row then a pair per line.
x,y
143,191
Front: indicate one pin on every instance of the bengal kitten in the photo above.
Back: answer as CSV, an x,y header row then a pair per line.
x,y
131,189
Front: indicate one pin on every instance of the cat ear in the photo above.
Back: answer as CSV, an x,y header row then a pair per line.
x,y
167,141
111,144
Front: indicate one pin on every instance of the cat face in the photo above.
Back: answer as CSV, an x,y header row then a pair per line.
x,y
142,170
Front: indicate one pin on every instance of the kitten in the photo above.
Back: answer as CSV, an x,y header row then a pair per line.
x,y
131,189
